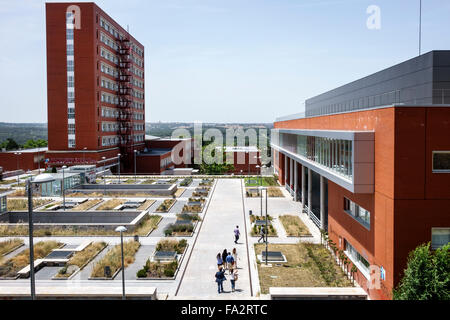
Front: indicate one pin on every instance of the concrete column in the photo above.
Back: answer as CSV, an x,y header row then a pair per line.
x,y
285,169
309,189
291,174
295,180
303,187
322,202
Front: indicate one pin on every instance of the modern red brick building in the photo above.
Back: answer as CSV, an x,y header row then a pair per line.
x,y
95,87
370,162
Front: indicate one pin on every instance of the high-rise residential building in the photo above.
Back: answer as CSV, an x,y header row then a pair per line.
x,y
370,163
95,87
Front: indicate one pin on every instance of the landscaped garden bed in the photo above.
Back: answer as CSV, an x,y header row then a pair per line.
x,y
9,246
308,265
145,227
81,259
186,182
110,204
164,269
166,205
294,226
275,192
148,181
147,204
201,192
86,205
10,267
181,228
261,181
256,230
22,204
206,182
113,260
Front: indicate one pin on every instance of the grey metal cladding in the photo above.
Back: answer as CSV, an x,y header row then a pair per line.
x,y
421,80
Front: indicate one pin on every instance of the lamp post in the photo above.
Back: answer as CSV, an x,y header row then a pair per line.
x,y
40,179
18,175
267,224
39,161
63,188
118,165
135,178
258,166
122,229
103,176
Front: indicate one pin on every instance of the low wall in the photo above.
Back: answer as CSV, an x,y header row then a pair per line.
x,y
78,293
159,189
317,293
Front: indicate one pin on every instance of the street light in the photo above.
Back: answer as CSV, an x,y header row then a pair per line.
x,y
40,179
118,166
135,178
63,188
122,229
18,175
267,230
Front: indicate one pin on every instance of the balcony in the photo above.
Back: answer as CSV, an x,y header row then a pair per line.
x,y
344,157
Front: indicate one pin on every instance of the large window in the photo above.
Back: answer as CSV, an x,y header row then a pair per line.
x,y
439,237
356,211
441,161
361,263
334,154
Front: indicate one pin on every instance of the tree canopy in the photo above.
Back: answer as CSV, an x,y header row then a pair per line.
x,y
427,275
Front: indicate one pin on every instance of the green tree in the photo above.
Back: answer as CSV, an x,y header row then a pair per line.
x,y
427,275
9,144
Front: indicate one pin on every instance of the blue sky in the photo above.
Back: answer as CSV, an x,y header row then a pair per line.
x,y
229,60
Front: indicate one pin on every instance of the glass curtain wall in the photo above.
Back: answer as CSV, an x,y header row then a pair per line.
x,y
335,154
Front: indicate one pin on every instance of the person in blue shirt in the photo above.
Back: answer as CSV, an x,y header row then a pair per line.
x,y
220,278
230,262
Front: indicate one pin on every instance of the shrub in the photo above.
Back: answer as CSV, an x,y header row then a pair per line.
x,y
142,273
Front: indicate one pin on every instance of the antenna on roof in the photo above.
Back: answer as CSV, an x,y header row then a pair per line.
x,y
420,27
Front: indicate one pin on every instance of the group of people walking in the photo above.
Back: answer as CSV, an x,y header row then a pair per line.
x,y
227,261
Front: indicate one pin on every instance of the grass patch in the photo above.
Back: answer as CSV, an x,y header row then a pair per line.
x,y
165,205
275,192
86,205
179,229
113,258
8,245
148,181
22,204
188,216
294,226
110,204
147,225
41,249
146,205
179,192
258,181
79,259
172,245
301,270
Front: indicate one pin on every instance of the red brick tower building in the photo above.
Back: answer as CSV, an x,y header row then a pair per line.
x,y
95,87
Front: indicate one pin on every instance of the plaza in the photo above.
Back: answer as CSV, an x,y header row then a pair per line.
x,y
224,207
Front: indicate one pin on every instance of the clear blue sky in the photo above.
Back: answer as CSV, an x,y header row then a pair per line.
x,y
228,60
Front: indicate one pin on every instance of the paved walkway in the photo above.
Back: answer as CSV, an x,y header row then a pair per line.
x,y
224,213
